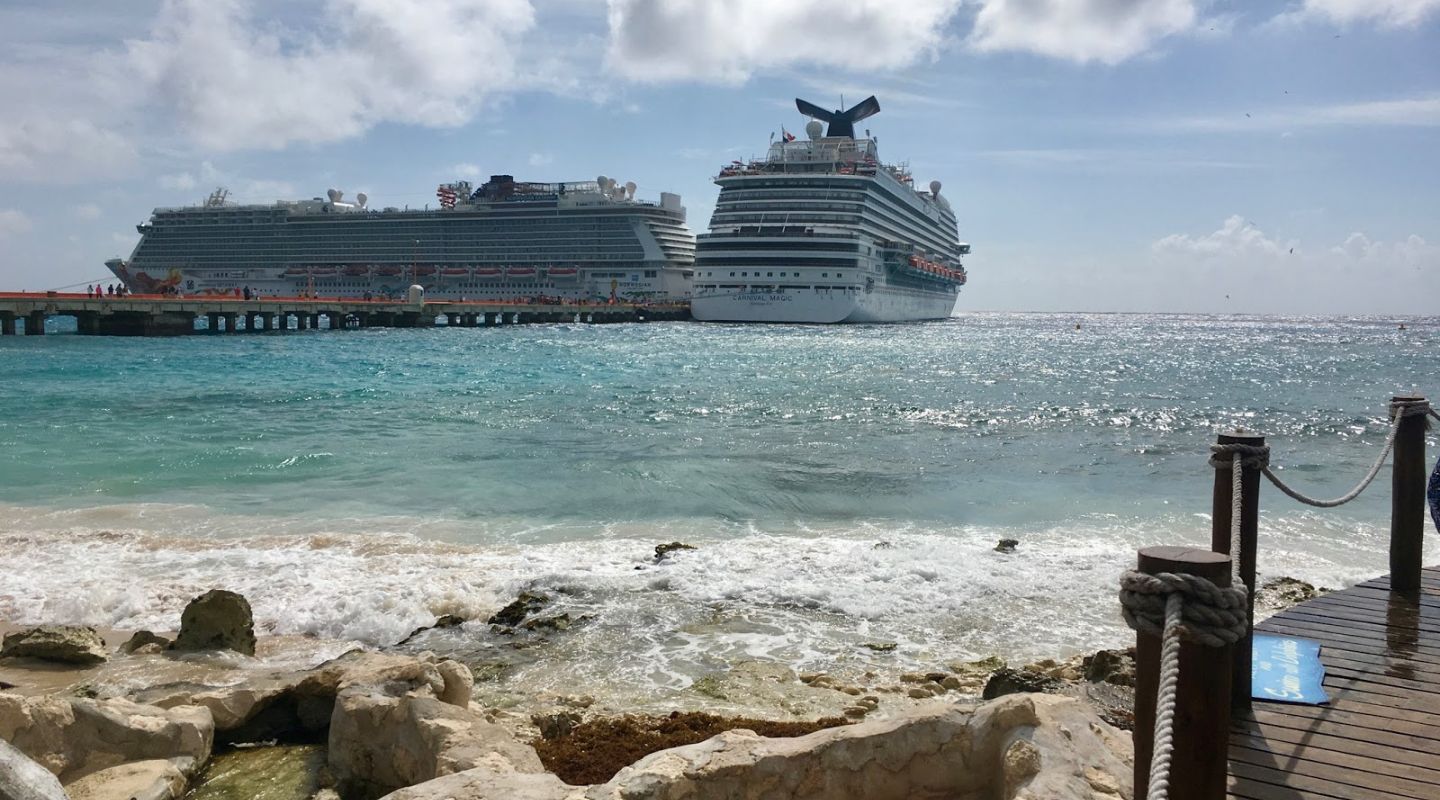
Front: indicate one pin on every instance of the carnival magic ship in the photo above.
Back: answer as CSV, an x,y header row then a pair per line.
x,y
504,240
822,231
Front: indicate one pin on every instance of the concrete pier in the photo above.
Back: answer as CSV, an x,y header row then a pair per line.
x,y
153,315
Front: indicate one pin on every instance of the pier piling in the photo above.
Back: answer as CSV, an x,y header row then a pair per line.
x,y
1407,499
170,315
1220,518
1201,723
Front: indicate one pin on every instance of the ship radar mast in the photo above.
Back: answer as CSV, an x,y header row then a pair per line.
x,y
841,123
217,197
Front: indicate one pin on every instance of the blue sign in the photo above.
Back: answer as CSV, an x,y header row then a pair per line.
x,y
1287,670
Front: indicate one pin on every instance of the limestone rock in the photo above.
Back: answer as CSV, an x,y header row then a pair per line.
x,y
663,550
1024,746
1010,681
23,779
1007,545
217,620
459,683
143,641
521,607
441,622
156,779
1111,666
73,736
67,644
484,783
1036,746
379,743
283,704
1284,592
556,725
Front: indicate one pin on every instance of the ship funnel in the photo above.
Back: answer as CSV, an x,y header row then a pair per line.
x,y
629,190
602,180
935,188
842,123
334,195
361,198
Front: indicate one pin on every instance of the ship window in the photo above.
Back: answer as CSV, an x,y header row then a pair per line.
x,y
771,274
732,274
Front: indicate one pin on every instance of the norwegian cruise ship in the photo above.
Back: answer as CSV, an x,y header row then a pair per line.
x,y
504,240
822,231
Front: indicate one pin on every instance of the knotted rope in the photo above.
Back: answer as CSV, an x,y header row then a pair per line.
x,y
1235,456
1171,605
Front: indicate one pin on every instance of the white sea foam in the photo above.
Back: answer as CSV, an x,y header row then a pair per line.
x,y
809,596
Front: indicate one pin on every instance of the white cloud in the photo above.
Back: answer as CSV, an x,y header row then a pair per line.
x,y
465,170
725,41
234,80
13,223
242,188
182,182
1387,13
540,159
87,211
1241,268
55,147
1237,237
1107,31
1413,252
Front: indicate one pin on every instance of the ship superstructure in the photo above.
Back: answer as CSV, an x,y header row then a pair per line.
x,y
503,240
822,231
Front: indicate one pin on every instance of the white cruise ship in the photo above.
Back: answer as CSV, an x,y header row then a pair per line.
x,y
822,231
504,240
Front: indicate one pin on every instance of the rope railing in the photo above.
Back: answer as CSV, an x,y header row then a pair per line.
x,y
1242,455
1205,599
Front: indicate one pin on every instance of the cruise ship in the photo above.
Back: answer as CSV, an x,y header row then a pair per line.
x,y
822,231
503,240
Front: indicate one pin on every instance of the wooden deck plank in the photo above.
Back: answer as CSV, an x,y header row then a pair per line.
x,y
1379,737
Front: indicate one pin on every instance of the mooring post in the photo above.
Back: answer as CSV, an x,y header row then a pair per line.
x,y
1202,696
1221,512
1407,498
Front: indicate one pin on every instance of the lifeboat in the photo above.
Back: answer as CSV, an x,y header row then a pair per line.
x,y
562,272
423,270
388,272
324,272
294,272
356,270
521,272
454,272
488,272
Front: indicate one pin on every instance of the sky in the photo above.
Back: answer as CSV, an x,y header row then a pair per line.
x,y
1272,156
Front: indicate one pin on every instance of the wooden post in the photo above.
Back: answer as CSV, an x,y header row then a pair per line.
x,y
1202,701
1220,513
1407,501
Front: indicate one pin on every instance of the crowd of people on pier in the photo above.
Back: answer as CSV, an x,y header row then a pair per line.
x,y
112,290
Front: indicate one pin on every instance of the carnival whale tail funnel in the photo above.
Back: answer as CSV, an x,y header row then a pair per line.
x,y
841,123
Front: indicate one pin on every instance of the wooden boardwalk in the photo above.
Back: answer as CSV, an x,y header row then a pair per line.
x,y
1379,737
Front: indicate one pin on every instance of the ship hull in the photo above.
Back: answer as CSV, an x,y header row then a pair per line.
x,y
884,304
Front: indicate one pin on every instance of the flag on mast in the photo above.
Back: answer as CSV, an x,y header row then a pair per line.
x,y
786,135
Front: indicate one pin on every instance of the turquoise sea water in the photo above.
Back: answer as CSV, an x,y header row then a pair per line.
x,y
843,484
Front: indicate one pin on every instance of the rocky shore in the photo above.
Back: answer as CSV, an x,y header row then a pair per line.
x,y
215,713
